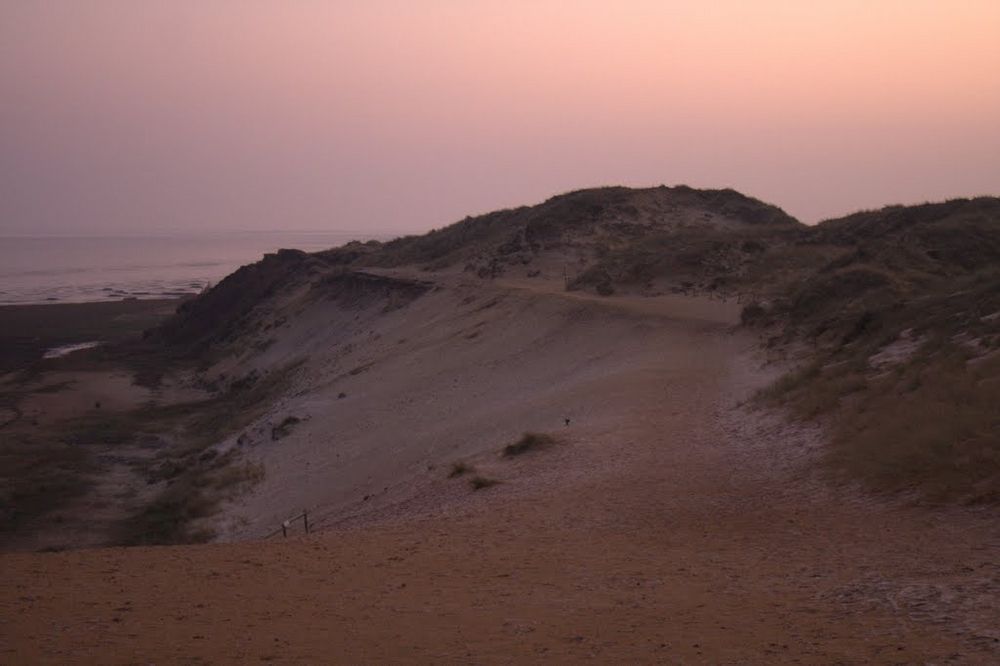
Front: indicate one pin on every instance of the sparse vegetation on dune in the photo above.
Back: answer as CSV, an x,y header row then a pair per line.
x,y
481,482
460,468
200,478
168,445
904,326
529,441
194,494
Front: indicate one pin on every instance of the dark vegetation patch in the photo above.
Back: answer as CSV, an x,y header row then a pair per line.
x,y
529,441
193,494
481,482
284,428
27,331
39,476
925,421
694,258
459,468
198,478
47,469
364,367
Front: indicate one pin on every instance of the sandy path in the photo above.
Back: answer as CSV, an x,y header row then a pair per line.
x,y
682,530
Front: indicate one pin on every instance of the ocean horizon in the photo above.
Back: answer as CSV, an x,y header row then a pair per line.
x,y
78,269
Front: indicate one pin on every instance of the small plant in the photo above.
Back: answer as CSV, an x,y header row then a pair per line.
x,y
458,469
752,313
284,428
479,482
529,441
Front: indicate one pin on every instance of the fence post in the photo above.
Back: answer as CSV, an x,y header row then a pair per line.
x,y
284,529
305,520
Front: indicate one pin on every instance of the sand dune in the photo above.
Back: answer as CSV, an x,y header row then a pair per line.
x,y
455,376
667,524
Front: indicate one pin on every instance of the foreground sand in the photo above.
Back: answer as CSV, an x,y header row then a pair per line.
x,y
667,526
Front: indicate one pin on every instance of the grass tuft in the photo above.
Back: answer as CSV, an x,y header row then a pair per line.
x,y
530,441
480,482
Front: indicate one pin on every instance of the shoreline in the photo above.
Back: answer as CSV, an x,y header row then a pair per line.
x,y
114,298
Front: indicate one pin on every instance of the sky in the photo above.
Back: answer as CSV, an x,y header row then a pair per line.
x,y
132,116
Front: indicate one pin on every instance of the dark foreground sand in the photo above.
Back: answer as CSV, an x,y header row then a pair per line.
x,y
26,331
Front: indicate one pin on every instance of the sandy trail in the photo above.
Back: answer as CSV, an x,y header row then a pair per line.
x,y
677,529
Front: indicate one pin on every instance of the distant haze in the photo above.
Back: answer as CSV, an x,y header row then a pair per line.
x,y
401,115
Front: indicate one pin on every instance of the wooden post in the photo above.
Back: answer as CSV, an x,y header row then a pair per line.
x,y
284,529
305,520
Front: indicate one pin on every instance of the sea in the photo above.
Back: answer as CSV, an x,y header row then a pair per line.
x,y
80,269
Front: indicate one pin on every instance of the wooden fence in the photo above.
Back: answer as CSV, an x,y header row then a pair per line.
x,y
283,530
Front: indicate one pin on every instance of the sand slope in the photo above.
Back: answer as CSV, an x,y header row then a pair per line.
x,y
669,525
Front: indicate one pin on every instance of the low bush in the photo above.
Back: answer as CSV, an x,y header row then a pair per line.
x,y
530,441
481,482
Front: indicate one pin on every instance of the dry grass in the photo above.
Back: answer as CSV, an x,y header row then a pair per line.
x,y
48,468
931,426
39,476
191,496
198,479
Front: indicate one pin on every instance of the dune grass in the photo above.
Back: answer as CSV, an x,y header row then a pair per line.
x,y
46,469
926,423
481,482
529,441
931,426
459,468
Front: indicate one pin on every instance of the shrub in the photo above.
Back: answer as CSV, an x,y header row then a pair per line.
x,y
479,482
752,314
284,428
530,441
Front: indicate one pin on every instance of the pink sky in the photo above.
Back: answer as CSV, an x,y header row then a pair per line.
x,y
402,115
